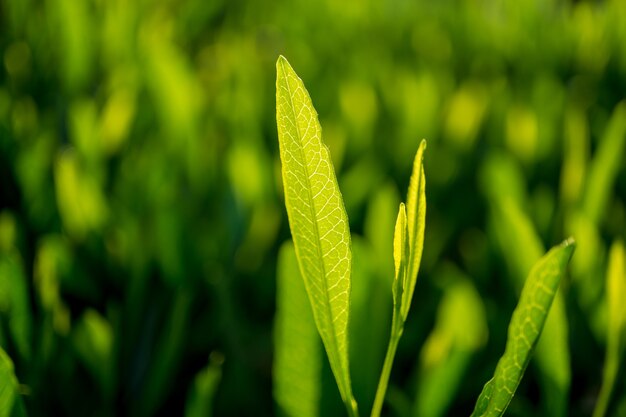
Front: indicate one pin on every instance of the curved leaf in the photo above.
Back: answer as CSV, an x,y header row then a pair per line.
x,y
525,328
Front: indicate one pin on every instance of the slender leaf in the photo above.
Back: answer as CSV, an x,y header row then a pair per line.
x,y
11,404
524,330
400,255
460,330
202,392
297,358
416,222
605,165
318,220
14,302
615,292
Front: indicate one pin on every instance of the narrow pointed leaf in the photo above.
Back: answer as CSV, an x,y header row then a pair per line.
x,y
298,350
416,221
615,292
524,330
400,254
317,218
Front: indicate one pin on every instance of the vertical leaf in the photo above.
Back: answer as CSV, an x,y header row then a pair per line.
x,y
297,360
400,255
317,218
416,222
10,400
615,292
524,330
200,398
605,165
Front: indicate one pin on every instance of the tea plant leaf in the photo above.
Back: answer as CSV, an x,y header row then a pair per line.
x,y
10,401
318,220
616,292
400,255
416,222
407,253
297,358
524,330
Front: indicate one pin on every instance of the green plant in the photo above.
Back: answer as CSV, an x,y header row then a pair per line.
x,y
322,256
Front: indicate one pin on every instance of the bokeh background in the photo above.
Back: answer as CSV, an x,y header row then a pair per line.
x,y
141,208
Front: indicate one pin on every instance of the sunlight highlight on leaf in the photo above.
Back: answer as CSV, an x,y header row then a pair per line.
x,y
524,330
318,220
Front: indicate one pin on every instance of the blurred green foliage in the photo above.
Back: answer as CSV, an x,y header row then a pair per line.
x,y
141,208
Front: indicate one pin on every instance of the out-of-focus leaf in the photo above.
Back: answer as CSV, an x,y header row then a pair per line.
x,y
14,302
11,404
460,330
616,332
81,202
93,341
319,224
605,164
552,351
202,392
368,332
416,223
297,346
524,330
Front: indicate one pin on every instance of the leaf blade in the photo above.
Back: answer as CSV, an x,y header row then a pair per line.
x,y
297,357
317,218
416,223
524,330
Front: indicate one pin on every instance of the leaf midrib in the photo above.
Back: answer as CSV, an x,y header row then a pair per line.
x,y
312,209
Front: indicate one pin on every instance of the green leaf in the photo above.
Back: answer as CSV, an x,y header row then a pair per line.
x,y
605,165
14,302
200,398
297,357
318,220
11,404
524,330
400,255
615,292
416,219
460,330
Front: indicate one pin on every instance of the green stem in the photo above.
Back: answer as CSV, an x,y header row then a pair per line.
x,y
397,327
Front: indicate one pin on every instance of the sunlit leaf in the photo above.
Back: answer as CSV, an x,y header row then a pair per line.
x,y
416,222
524,330
318,220
298,350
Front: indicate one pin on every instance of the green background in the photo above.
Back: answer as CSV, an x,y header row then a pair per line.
x,y
141,206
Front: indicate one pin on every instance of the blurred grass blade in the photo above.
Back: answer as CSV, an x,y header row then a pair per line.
x,y
460,330
524,330
200,398
297,357
318,220
616,293
11,404
507,219
416,222
93,341
14,295
605,165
